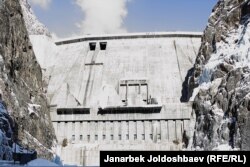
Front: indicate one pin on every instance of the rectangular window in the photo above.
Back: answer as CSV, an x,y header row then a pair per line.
x,y
143,136
120,137
158,137
135,136
111,137
104,137
127,137
92,46
103,45
96,137
81,138
151,136
73,137
88,138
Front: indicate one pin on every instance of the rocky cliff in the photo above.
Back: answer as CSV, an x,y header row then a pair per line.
x,y
21,82
222,79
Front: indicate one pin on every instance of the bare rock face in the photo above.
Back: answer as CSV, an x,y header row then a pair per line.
x,y
222,77
21,82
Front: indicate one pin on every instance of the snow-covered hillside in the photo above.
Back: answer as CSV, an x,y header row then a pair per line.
x,y
33,25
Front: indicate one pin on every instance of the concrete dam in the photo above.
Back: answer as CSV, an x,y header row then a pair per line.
x,y
118,92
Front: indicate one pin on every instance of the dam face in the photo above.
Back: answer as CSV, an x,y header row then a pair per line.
x,y
120,93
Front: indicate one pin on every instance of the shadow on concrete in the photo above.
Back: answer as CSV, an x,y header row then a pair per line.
x,y
185,93
129,110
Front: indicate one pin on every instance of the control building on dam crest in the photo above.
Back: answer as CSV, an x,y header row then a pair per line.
x,y
120,92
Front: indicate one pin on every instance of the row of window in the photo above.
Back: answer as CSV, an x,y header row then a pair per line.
x,y
92,46
106,121
119,137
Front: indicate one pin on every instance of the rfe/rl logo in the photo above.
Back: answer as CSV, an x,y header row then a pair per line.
x,y
226,158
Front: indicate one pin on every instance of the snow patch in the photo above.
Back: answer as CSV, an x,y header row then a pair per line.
x,y
41,162
33,109
225,147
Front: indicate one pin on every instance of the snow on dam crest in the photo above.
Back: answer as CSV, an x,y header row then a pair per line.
x,y
118,92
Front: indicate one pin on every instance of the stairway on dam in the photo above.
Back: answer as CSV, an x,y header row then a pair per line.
x,y
119,92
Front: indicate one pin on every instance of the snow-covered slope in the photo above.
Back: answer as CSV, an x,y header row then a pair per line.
x,y
222,74
33,25
41,162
